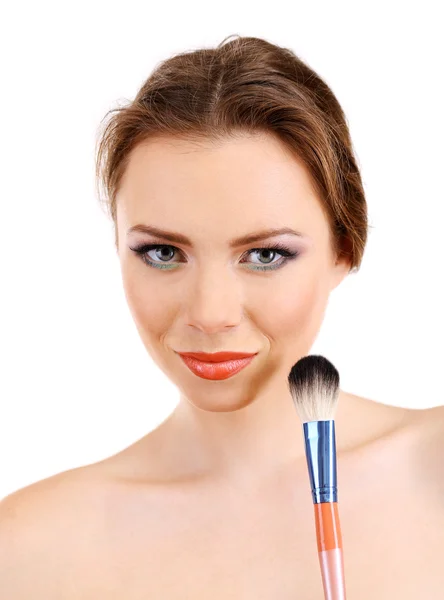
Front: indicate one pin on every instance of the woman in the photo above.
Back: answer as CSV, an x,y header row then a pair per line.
x,y
238,208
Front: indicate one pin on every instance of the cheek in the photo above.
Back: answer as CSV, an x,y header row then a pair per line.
x,y
296,311
149,304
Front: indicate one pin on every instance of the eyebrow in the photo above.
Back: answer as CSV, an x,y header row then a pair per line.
x,y
179,238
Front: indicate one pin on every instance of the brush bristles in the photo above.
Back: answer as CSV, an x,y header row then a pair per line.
x,y
314,387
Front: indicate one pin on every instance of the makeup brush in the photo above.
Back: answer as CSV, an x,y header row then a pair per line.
x,y
314,387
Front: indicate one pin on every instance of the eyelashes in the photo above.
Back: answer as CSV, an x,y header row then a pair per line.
x,y
278,248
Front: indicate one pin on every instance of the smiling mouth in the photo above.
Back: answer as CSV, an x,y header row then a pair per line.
x,y
215,370
218,356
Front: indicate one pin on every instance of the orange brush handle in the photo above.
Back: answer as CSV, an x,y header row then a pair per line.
x,y
331,559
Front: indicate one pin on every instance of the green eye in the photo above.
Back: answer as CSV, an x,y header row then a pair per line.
x,y
167,251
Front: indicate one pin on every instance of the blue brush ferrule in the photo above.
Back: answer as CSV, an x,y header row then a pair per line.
x,y
320,450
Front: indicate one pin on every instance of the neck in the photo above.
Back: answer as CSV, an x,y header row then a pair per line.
x,y
253,442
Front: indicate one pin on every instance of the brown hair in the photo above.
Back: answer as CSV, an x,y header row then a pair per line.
x,y
245,86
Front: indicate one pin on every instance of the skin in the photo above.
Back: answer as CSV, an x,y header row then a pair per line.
x,y
215,502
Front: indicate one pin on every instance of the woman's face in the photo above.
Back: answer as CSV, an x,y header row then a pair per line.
x,y
208,294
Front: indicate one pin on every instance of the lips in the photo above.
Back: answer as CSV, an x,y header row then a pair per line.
x,y
216,369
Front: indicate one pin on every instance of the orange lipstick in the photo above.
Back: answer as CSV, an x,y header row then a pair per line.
x,y
216,366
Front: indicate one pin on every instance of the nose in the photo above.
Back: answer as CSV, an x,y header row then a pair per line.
x,y
215,302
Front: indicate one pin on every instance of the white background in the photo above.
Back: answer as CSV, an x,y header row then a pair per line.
x,y
76,383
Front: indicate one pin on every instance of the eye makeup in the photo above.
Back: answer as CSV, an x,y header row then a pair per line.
x,y
277,248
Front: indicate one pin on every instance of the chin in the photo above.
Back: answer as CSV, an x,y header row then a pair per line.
x,y
218,402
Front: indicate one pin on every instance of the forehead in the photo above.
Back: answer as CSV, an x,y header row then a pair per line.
x,y
235,185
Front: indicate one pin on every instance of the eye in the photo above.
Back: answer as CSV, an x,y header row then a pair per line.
x,y
270,253
165,252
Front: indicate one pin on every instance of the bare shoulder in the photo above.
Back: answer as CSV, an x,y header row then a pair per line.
x,y
427,451
47,499
430,423
435,416
43,526
420,433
